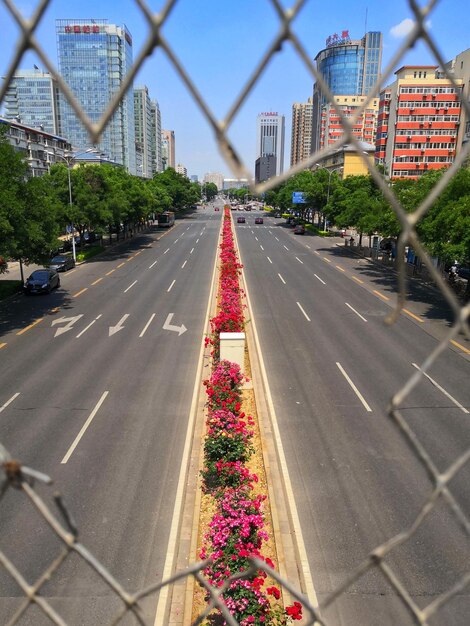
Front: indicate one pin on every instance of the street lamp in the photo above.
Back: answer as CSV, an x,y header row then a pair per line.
x,y
330,172
69,159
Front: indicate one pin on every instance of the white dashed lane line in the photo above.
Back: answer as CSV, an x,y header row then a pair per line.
x,y
356,312
169,288
318,278
184,264
269,259
305,314
282,279
299,260
130,286
150,266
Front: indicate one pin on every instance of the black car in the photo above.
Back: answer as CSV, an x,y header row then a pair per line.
x,y
241,220
91,237
61,263
42,281
299,229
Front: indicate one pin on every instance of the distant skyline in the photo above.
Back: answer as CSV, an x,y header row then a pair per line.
x,y
220,43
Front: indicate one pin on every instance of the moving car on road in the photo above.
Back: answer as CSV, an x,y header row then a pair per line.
x,y
258,220
240,220
42,281
61,263
299,229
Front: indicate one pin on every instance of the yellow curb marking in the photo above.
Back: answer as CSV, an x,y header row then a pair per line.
x,y
2,345
340,268
20,332
325,259
79,293
415,317
110,272
358,280
97,281
381,295
137,253
458,345
120,265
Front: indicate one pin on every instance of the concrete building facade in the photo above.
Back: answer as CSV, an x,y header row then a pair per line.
x,y
168,149
143,132
301,138
270,134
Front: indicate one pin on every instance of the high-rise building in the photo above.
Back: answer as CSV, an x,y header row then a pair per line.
x,y
365,127
144,138
270,131
157,165
180,168
301,131
349,68
265,168
94,57
216,178
420,115
32,98
168,148
459,67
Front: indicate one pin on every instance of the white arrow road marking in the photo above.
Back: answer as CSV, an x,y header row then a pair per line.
x,y
130,286
119,326
147,325
354,388
84,427
68,326
87,327
168,326
13,397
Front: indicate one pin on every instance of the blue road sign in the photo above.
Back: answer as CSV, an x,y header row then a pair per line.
x,y
298,197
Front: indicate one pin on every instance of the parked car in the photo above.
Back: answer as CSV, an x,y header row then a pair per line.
x,y
91,237
42,281
240,220
248,208
61,263
258,220
299,229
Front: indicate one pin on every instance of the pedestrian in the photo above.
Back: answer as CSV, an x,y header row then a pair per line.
x,y
351,241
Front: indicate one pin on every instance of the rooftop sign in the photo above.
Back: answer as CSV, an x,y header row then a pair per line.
x,y
337,40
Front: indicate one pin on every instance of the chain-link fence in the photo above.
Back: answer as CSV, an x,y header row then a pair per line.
x,y
14,476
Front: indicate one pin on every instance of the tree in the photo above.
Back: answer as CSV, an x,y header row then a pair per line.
x,y
210,191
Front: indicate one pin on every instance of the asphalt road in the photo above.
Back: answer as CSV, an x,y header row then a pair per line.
x,y
96,386
333,365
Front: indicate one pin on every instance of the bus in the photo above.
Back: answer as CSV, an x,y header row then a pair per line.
x,y
166,219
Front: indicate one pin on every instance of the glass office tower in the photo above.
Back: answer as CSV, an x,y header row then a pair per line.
x,y
349,68
94,58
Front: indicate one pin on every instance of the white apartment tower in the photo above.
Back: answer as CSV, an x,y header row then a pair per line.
x,y
270,131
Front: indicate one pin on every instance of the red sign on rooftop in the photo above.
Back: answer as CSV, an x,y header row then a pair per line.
x,y
338,40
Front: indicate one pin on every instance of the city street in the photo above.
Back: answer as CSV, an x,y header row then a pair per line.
x,y
97,381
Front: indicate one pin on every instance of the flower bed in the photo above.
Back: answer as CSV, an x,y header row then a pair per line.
x,y
237,530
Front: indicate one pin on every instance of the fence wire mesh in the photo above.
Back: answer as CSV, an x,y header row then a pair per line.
x,y
22,479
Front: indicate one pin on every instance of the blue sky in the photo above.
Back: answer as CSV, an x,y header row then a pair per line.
x,y
220,42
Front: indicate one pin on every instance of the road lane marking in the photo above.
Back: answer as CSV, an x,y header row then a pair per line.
x,y
138,252
299,260
176,240
13,397
2,345
446,393
150,266
110,272
300,307
98,280
316,252
79,293
358,280
256,238
354,388
87,327
167,250
261,247
415,317
147,325
121,264
340,268
282,279
130,286
20,332
380,295
84,427
325,259
192,250
276,238
307,246
169,288
130,258
285,247
184,264
269,259
458,345
197,240
318,278
354,310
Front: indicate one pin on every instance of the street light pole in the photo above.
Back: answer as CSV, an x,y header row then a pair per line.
x,y
330,172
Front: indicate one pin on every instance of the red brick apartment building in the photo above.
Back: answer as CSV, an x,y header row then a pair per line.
x,y
418,122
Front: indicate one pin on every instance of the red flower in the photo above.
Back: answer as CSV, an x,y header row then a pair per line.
x,y
274,591
295,611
